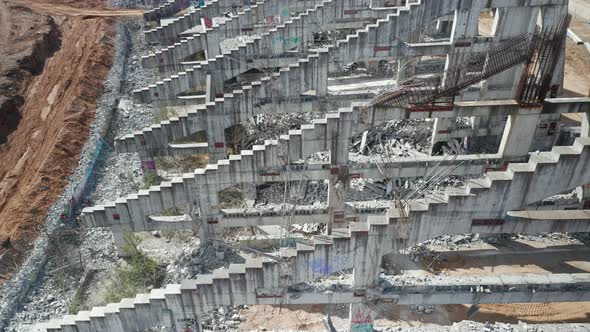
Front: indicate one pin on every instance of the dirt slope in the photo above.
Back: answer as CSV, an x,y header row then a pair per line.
x,y
26,40
76,8
58,107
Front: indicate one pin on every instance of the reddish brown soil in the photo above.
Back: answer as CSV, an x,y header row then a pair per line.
x,y
26,40
58,106
73,8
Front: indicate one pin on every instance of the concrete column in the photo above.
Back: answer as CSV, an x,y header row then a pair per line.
x,y
519,132
249,193
214,79
209,91
367,267
550,16
465,23
405,69
511,22
337,189
119,238
585,128
215,133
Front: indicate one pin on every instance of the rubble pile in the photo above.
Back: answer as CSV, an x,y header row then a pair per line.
x,y
199,260
306,193
396,138
420,252
224,318
359,191
422,309
576,238
335,282
270,126
452,242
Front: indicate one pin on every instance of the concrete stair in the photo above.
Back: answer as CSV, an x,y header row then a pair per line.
x,y
169,33
167,9
263,278
264,163
226,66
245,22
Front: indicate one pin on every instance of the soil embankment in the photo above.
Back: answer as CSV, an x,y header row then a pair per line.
x,y
27,39
55,55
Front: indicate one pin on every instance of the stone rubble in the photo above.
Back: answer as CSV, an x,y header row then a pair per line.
x,y
195,260
396,138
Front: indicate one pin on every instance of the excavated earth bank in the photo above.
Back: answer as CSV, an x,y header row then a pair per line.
x,y
52,71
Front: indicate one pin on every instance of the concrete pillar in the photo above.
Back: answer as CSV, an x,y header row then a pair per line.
x,y
119,238
209,91
519,132
337,189
550,17
367,267
585,127
215,133
214,80
510,22
465,23
249,193
405,69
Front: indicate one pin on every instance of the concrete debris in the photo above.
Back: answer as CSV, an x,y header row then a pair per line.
x,y
422,309
335,282
396,138
270,126
307,228
223,319
452,242
120,176
198,260
304,193
360,192
577,238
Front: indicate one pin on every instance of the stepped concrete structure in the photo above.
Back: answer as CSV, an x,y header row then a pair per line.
x,y
167,9
296,74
